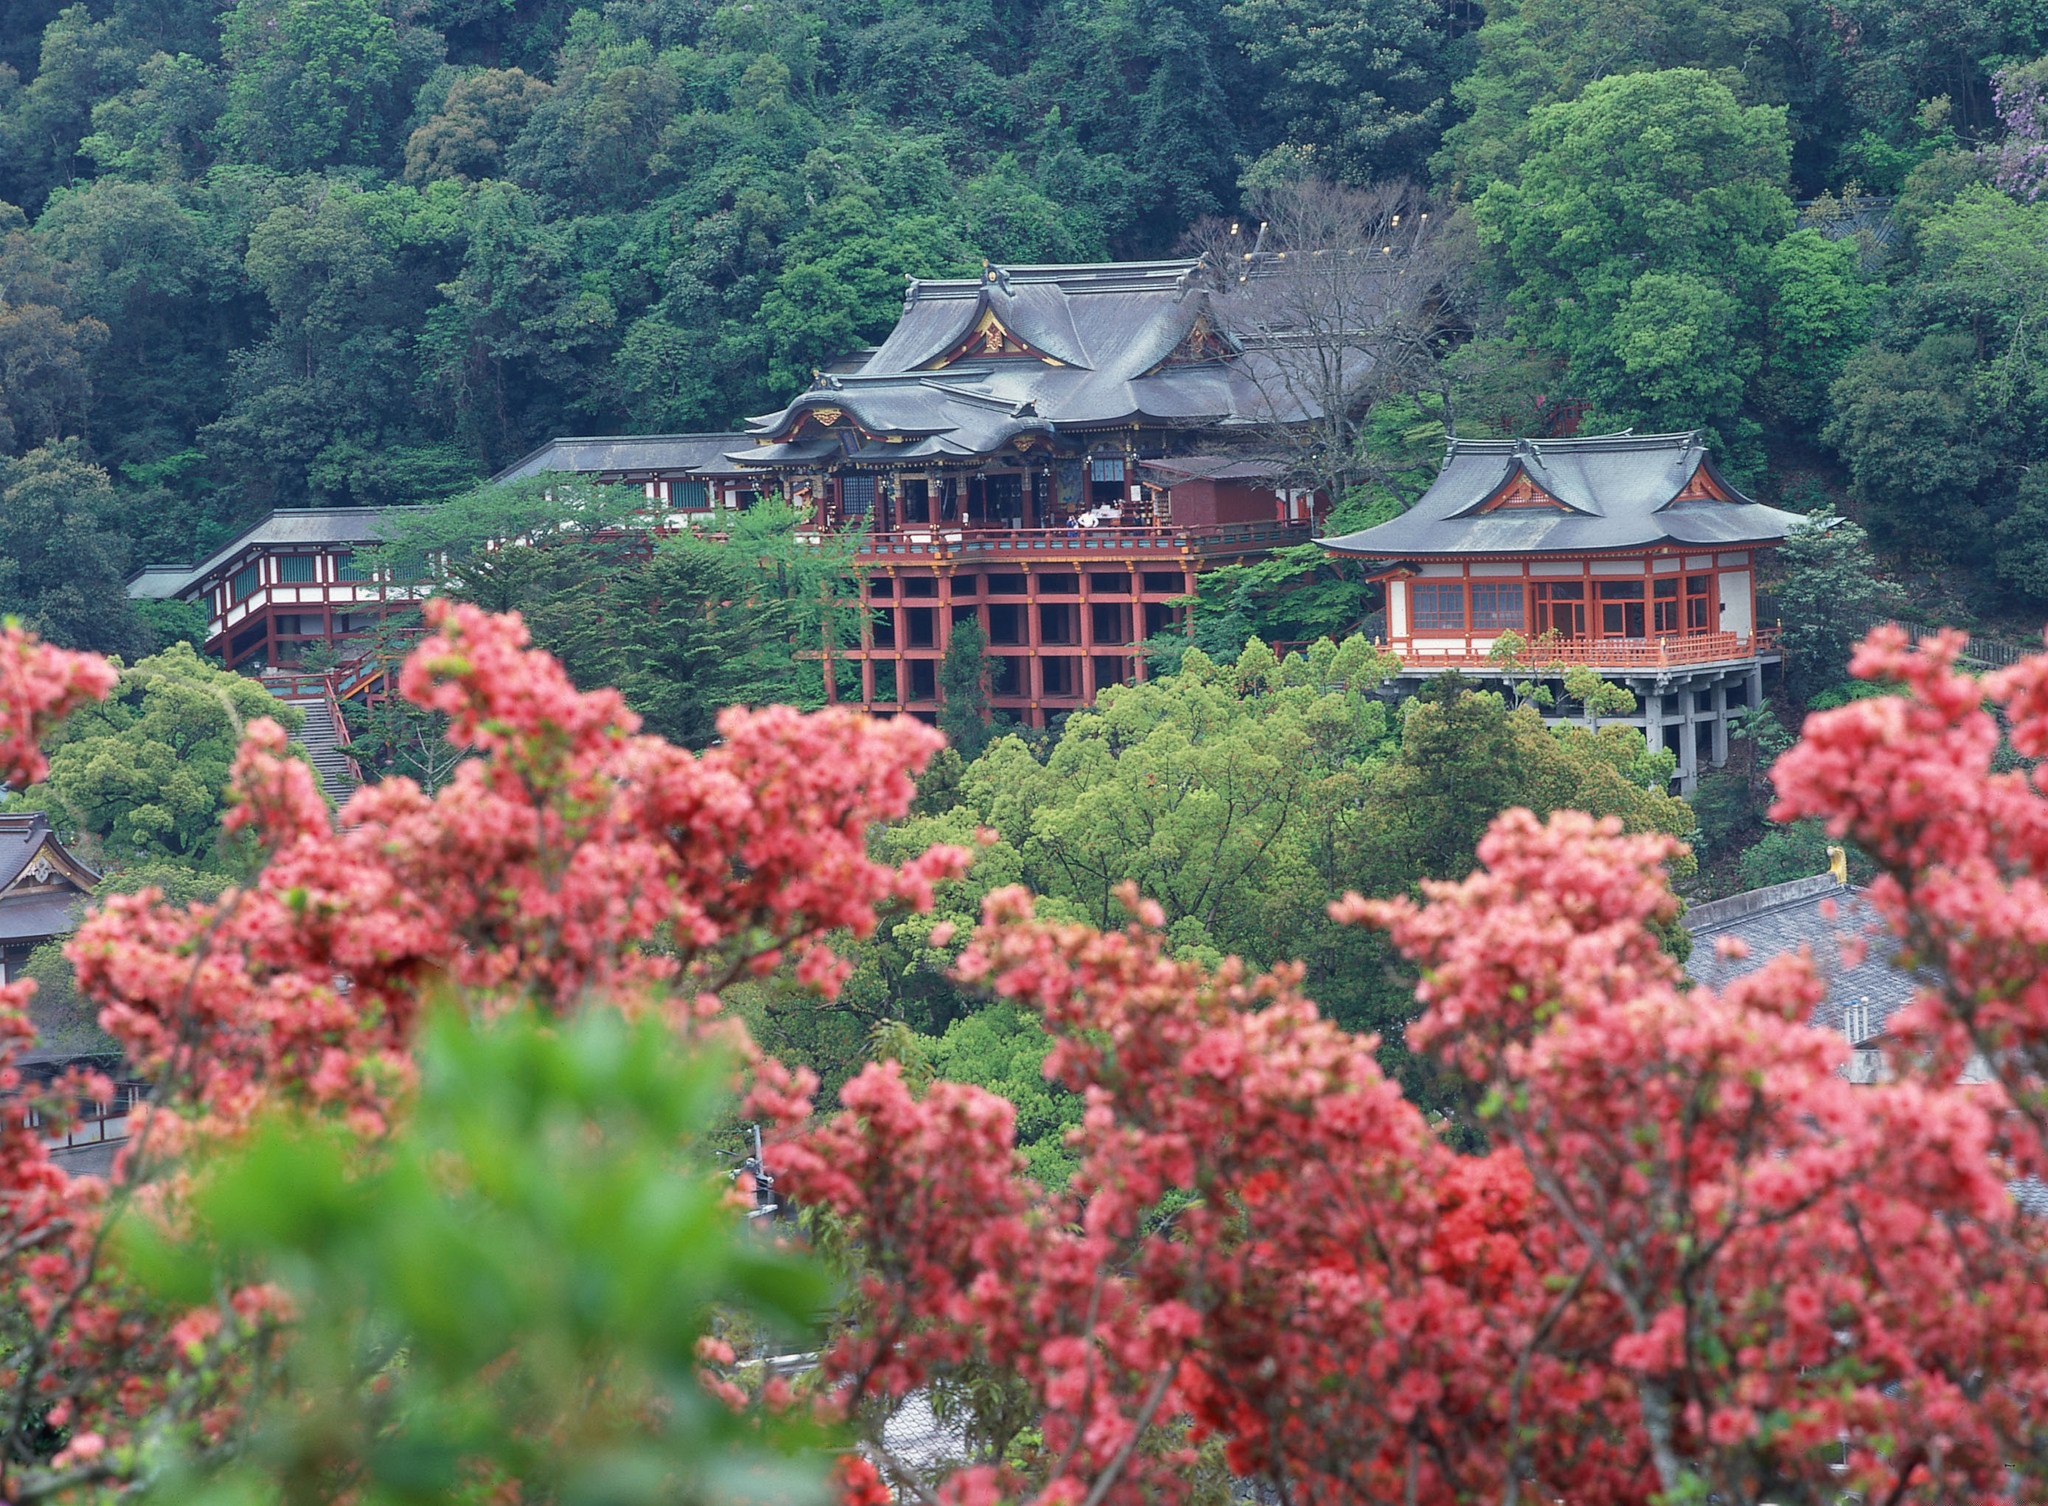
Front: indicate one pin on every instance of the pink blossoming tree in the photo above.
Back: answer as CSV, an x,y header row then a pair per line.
x,y
1693,1263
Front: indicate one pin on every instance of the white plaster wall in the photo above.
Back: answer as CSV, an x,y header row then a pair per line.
x,y
1735,616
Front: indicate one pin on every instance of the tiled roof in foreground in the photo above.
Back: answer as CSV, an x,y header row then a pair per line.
x,y
1789,917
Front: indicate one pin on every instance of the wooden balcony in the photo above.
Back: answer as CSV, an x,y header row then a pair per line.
x,y
982,545
1622,655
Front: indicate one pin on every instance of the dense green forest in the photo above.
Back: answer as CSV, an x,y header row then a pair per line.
x,y
362,251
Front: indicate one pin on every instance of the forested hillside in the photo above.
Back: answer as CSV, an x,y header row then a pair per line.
x,y
281,252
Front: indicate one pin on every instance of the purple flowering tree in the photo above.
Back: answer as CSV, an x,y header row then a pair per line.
x,y
2019,164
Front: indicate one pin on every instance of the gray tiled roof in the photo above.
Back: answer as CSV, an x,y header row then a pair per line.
x,y
1108,331
1786,917
36,917
287,528
1618,491
1216,468
40,912
631,455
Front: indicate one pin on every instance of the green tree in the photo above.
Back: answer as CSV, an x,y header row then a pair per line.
x,y
46,346
1539,52
1821,302
145,772
63,555
327,402
1636,238
310,83
1597,697
682,629
1939,417
1361,89
1830,590
474,1266
964,690
82,61
162,129
597,137
681,633
468,136
1002,1048
841,286
149,268
1465,757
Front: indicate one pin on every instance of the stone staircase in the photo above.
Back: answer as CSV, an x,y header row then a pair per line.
x,y
323,735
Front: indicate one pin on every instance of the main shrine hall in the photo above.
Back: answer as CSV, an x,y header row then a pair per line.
x,y
1054,451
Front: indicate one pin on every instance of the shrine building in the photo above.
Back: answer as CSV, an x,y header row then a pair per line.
x,y
1055,452
1627,553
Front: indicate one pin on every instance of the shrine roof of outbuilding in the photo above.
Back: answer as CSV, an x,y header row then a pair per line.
x,y
1591,494
284,530
700,455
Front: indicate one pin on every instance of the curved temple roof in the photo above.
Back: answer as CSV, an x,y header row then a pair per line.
x,y
1549,496
976,363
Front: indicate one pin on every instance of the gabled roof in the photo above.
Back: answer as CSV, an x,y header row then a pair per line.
x,y
41,883
631,455
26,836
1601,492
976,364
285,529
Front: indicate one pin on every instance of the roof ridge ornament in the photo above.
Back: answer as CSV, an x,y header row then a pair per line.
x,y
997,276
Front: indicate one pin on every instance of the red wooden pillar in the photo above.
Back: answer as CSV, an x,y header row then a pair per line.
x,y
1034,672
1137,616
1086,607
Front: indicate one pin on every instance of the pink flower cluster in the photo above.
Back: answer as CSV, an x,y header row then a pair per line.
x,y
1694,1258
86,1355
571,859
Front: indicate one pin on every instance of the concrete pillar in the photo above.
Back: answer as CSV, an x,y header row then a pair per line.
x,y
1720,724
1756,686
1688,739
1653,720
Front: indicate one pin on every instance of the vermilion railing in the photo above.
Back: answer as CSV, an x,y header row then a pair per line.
x,y
941,541
1602,653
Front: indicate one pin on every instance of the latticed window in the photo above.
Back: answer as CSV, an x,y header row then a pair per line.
x,y
691,494
1106,470
295,569
857,495
246,580
1699,603
1496,609
1439,606
346,568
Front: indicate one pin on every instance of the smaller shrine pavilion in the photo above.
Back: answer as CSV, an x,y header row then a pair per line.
x,y
1628,553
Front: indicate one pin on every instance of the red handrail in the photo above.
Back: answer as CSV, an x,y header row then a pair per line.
x,y
1601,653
